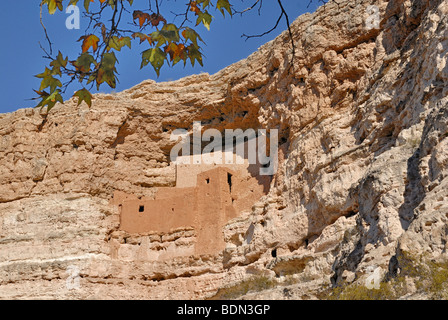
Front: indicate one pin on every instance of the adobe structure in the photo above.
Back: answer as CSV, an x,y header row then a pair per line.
x,y
218,194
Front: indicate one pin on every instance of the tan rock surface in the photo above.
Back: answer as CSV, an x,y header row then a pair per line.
x,y
363,168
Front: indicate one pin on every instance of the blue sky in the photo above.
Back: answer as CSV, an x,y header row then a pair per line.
x,y
21,55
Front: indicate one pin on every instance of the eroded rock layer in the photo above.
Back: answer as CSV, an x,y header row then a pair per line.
x,y
362,181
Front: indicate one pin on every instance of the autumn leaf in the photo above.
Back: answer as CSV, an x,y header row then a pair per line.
x,y
176,52
141,16
194,7
180,54
155,19
90,41
103,30
142,37
84,95
96,64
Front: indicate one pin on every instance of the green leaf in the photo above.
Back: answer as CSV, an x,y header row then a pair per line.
x,y
109,60
205,3
194,54
111,3
87,4
48,80
118,43
53,5
224,4
108,76
156,57
45,74
42,95
106,72
58,63
49,99
84,95
192,35
169,33
84,62
205,18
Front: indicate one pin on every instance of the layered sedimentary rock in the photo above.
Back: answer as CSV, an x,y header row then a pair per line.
x,y
362,181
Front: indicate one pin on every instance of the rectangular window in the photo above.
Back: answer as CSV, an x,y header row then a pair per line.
x,y
229,181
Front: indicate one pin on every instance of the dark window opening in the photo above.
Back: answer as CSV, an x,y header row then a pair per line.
x,y
172,209
266,165
229,181
141,209
274,253
207,180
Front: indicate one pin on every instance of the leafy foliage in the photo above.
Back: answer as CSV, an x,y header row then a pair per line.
x,y
164,43
418,275
96,64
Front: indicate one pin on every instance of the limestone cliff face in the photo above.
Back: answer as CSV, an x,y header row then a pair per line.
x,y
362,180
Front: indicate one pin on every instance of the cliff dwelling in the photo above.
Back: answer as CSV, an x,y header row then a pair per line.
x,y
205,198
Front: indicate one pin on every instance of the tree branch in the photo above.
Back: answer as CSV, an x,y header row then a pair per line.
x,y
46,33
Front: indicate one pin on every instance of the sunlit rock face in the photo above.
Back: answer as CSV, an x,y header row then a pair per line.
x,y
362,116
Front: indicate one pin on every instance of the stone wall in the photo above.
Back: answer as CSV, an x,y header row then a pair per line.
x,y
219,195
